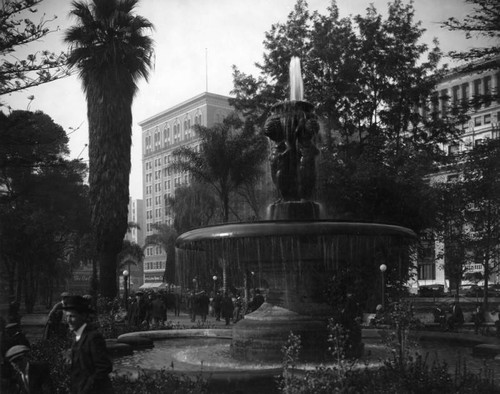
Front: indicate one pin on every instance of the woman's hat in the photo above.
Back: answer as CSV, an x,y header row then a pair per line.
x,y
77,303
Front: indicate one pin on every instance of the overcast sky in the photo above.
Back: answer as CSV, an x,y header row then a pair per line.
x,y
192,36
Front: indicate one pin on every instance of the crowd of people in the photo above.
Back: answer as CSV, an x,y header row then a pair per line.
x,y
73,318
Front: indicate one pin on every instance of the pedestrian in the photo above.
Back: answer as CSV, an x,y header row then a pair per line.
x,y
203,305
238,305
55,326
158,312
30,377
192,305
90,364
257,301
227,308
478,318
217,305
457,317
11,336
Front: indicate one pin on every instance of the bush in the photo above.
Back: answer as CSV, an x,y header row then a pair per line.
x,y
159,382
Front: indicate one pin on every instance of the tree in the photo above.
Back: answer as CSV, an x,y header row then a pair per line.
x,y
192,206
481,173
42,203
229,156
483,21
164,236
16,29
111,53
370,79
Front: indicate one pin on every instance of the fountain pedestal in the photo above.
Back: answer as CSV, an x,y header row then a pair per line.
x,y
262,334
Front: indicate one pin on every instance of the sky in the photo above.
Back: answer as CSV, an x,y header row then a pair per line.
x,y
196,44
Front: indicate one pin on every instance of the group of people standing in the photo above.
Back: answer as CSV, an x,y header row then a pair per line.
x,y
88,360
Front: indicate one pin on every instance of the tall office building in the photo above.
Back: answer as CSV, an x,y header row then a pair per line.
x,y
161,135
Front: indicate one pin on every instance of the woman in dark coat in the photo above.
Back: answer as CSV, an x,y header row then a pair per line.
x,y
227,308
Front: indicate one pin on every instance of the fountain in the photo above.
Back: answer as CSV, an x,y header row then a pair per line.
x,y
296,257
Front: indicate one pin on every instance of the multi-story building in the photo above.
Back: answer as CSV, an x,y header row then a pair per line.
x,y
161,135
461,87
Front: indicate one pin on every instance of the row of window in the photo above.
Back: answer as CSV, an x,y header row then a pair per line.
x,y
154,265
169,137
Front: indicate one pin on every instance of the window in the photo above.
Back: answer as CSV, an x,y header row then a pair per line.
x,y
453,149
477,121
465,94
487,90
487,119
444,102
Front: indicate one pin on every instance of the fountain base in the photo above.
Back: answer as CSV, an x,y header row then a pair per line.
x,y
262,334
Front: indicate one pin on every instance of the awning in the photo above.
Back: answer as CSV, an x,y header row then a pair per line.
x,y
153,285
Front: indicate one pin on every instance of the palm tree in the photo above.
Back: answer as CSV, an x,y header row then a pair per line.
x,y
165,237
108,48
229,157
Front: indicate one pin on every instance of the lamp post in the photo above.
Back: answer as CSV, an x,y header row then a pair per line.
x,y
195,284
215,284
383,268
125,288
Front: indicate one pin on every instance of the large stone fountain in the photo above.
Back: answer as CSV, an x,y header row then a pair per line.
x,y
295,256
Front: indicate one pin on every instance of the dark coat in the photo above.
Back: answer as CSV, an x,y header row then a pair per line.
x,y
39,380
90,365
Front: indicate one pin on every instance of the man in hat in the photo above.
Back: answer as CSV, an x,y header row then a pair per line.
x,y
90,363
12,336
29,377
55,326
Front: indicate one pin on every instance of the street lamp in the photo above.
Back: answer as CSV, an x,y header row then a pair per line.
x,y
195,284
125,288
383,268
215,284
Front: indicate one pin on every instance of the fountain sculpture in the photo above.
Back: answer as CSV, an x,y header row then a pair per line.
x,y
296,257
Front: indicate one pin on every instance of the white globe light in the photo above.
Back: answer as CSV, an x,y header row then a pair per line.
x,y
125,273
383,267
214,277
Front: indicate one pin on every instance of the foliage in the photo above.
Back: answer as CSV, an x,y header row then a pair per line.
x,y
56,353
17,29
111,52
164,235
159,382
367,75
406,372
229,157
130,253
192,206
42,206
481,180
483,21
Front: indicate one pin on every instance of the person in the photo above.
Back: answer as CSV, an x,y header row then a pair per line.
x,y
30,377
257,301
217,305
138,310
227,308
440,316
11,336
478,318
203,304
55,327
456,318
14,316
158,312
90,364
238,305
192,305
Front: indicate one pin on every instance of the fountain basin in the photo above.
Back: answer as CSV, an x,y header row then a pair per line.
x,y
295,262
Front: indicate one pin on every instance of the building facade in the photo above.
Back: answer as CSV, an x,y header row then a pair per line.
x,y
161,135
458,88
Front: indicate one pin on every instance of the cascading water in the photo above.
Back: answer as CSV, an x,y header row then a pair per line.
x,y
295,257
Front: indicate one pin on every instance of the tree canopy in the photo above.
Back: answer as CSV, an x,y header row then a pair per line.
x,y
229,156
42,203
18,29
370,78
